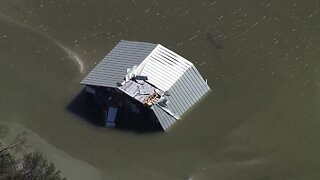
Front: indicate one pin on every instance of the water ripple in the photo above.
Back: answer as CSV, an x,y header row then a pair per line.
x,y
72,55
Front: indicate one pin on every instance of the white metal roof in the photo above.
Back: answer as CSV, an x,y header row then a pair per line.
x,y
163,67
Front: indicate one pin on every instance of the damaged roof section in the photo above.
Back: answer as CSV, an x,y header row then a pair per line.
x,y
153,75
140,90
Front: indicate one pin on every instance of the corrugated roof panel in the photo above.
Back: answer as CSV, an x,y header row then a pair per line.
x,y
113,67
162,56
200,79
179,107
192,83
178,67
172,71
164,118
163,68
158,77
175,55
186,91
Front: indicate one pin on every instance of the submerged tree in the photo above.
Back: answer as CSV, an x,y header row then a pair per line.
x,y
36,166
33,166
8,166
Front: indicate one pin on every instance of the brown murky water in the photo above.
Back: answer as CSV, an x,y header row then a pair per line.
x,y
261,59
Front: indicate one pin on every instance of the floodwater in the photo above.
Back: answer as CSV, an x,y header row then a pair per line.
x,y
261,58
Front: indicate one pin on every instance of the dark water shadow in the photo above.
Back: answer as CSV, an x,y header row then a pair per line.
x,y
136,123
87,109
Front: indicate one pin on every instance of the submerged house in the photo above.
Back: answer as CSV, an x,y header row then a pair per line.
x,y
146,82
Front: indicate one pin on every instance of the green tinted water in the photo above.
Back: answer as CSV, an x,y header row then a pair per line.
x,y
261,59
